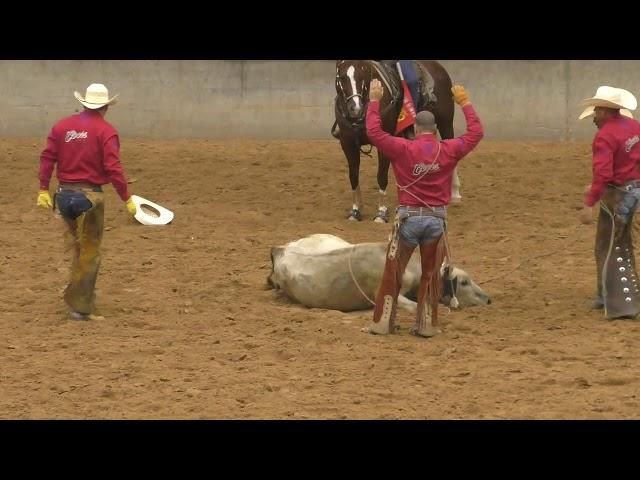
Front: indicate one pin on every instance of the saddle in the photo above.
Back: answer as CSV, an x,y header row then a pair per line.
x,y
391,79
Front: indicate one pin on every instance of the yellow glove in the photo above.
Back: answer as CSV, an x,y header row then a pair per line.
x,y
44,199
131,207
460,95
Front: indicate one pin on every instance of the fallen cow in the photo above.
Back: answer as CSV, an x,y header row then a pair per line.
x,y
324,271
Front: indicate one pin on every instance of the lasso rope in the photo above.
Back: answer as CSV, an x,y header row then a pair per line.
x,y
353,277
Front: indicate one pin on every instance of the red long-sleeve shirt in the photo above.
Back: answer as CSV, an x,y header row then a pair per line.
x,y
411,158
615,156
86,149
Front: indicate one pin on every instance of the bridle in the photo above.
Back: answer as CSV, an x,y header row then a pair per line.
x,y
361,96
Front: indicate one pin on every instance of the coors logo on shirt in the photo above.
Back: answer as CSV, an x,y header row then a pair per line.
x,y
423,168
72,135
628,145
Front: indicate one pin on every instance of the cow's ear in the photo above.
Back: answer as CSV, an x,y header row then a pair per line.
x,y
450,286
276,253
446,273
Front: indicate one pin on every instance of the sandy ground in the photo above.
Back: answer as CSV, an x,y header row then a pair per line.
x,y
191,332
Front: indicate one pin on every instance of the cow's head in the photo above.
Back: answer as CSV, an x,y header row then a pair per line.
x,y
458,282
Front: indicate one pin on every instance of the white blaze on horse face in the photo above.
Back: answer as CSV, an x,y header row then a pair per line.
x,y
350,73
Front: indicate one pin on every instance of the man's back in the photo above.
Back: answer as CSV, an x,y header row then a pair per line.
x,y
623,134
424,166
79,141
615,155
86,149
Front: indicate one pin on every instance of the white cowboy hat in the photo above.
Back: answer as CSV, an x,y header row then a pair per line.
x,y
611,97
163,216
97,96
591,110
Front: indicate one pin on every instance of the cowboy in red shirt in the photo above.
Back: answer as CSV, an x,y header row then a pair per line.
x,y
86,150
423,170
616,184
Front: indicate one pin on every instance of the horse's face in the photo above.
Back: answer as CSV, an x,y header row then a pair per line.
x,y
352,85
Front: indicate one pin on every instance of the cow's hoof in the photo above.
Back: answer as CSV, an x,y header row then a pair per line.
x,y
355,215
382,217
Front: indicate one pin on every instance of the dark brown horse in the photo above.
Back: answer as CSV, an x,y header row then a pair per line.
x,y
352,88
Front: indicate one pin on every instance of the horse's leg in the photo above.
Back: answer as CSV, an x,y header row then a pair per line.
x,y
383,180
446,132
352,152
444,111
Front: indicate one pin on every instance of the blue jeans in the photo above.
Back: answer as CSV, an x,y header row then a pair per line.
x,y
417,230
409,74
628,205
72,204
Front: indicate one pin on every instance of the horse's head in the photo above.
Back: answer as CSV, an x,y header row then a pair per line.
x,y
352,86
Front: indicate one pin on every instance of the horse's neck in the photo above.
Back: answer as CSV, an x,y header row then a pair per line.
x,y
378,71
381,73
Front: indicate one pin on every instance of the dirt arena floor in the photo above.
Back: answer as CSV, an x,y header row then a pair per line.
x,y
191,331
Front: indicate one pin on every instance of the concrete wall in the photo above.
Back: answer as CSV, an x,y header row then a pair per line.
x,y
517,99
539,100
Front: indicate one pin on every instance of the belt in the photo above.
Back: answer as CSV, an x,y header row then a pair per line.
x,y
79,186
439,212
630,185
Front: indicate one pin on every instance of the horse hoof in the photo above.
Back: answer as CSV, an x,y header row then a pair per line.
x,y
381,217
355,215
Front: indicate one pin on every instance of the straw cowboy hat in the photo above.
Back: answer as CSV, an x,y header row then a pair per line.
x,y
609,97
97,96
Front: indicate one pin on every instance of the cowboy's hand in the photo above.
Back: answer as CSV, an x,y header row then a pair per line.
x,y
376,91
44,199
131,207
587,188
460,95
586,215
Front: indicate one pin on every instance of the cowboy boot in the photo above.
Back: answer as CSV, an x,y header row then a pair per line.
x,y
384,314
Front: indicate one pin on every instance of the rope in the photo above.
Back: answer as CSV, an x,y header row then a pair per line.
x,y
554,252
445,236
548,254
353,277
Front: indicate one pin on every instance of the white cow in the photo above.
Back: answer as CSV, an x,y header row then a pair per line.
x,y
321,271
